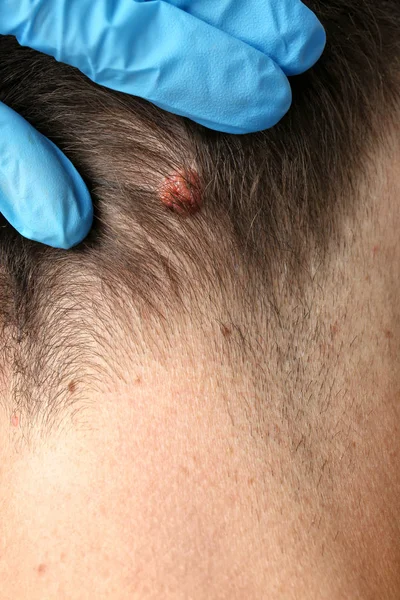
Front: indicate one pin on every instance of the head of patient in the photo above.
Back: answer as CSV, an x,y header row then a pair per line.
x,y
206,403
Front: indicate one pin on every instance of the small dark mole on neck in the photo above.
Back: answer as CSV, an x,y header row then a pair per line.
x,y
226,331
72,387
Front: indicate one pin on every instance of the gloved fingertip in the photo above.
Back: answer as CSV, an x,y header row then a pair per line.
x,y
310,48
264,108
61,235
76,233
42,195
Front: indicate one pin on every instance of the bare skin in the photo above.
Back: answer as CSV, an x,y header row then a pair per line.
x,y
176,489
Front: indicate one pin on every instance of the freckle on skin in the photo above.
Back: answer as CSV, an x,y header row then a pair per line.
x,y
15,420
41,569
138,380
375,250
226,332
388,334
72,387
334,329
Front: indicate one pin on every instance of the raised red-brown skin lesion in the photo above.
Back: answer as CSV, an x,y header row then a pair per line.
x,y
180,192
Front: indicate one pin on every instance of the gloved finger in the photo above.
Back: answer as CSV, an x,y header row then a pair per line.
x,y
41,193
286,30
157,51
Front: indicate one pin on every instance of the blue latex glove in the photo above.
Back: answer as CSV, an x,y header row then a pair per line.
x,y
222,63
41,193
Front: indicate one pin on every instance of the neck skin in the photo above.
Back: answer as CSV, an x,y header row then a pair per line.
x,y
178,488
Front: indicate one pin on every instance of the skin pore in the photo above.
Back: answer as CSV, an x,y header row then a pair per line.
x,y
180,481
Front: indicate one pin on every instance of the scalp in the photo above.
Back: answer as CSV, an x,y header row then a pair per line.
x,y
275,206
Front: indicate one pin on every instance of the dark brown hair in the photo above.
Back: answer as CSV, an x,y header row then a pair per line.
x,y
272,202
